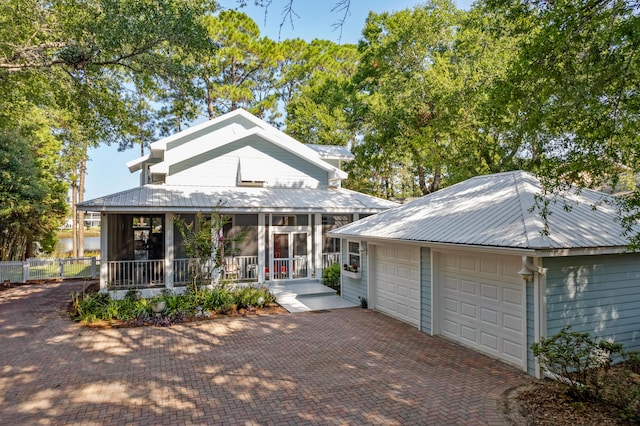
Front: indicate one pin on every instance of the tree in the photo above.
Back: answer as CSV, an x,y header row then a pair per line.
x,y
236,74
31,196
572,95
85,56
205,244
314,88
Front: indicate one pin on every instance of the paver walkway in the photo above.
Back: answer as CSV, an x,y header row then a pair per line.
x,y
344,367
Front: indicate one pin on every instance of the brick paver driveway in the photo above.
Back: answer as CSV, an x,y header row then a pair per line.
x,y
347,366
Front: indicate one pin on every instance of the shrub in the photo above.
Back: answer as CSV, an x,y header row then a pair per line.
x,y
177,305
331,276
577,359
91,307
217,299
252,296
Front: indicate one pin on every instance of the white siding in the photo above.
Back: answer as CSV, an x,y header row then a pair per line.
x,y
219,167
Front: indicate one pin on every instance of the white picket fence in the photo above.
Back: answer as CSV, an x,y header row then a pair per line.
x,y
48,269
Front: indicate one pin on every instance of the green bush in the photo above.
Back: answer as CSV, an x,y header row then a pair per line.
x,y
331,276
91,307
217,299
578,359
252,296
177,305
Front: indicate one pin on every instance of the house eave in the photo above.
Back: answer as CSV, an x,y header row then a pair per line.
x,y
437,245
233,210
533,252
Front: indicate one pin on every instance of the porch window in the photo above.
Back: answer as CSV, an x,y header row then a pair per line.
x,y
329,223
136,237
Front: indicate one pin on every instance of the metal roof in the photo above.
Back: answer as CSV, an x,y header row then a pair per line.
x,y
178,198
499,211
332,152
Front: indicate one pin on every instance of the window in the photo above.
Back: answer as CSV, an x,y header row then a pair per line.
x,y
353,255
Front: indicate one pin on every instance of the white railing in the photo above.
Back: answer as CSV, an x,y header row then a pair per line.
x,y
329,259
181,272
282,268
240,268
300,267
135,273
47,269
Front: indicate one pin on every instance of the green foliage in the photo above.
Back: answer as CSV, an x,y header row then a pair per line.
x,y
91,307
32,200
579,360
331,276
177,305
218,299
204,245
250,296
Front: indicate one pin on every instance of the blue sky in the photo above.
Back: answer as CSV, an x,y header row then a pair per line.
x,y
107,172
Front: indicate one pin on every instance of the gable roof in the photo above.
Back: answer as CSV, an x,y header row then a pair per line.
x,y
498,211
182,198
229,128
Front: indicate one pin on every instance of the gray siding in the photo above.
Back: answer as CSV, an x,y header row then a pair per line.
x,y
352,289
595,294
219,166
531,331
425,290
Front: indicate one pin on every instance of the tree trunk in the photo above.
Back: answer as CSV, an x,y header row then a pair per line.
x,y
83,172
210,110
74,219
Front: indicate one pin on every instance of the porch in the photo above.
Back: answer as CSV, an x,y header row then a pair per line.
x,y
140,274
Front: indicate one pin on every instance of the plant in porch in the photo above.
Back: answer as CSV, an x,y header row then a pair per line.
x,y
205,244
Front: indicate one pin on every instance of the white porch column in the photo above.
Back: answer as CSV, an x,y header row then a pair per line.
x,y
104,257
317,250
168,250
261,247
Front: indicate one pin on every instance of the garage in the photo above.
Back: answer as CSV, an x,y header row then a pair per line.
x,y
396,282
482,304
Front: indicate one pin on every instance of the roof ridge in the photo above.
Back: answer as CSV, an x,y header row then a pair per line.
x,y
524,210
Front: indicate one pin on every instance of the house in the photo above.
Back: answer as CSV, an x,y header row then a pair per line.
x,y
285,195
474,264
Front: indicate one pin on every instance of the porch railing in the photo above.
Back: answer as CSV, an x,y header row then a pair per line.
x,y
329,259
135,273
150,273
240,268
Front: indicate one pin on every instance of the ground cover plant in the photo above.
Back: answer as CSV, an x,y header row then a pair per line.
x,y
92,307
587,389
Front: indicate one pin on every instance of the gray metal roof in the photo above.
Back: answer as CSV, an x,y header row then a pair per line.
x,y
332,152
175,198
498,210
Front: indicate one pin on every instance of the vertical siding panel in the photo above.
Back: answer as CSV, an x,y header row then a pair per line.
x,y
595,294
352,289
531,332
425,290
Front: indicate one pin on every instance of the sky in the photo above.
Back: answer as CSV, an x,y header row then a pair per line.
x,y
107,172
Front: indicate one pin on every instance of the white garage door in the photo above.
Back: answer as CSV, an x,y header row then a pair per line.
x,y
396,281
482,304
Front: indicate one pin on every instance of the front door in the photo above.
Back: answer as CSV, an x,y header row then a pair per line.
x,y
290,255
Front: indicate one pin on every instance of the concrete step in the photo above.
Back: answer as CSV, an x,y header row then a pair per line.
x,y
307,296
306,288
